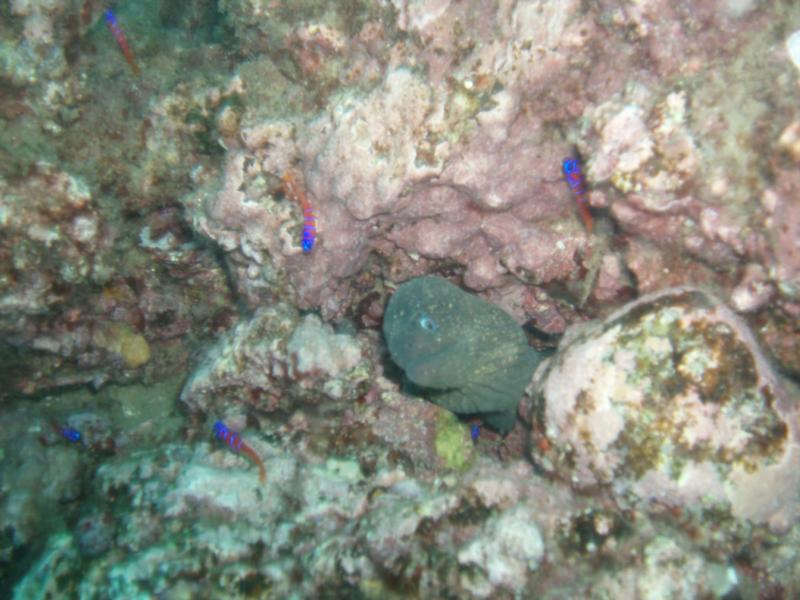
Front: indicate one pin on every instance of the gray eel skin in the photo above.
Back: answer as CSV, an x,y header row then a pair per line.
x,y
465,354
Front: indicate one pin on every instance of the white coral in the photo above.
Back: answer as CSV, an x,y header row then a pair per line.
x,y
509,547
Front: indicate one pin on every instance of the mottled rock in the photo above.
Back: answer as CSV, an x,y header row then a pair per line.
x,y
669,401
509,547
263,358
318,350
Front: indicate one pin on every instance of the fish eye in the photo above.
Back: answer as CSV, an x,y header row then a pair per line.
x,y
427,323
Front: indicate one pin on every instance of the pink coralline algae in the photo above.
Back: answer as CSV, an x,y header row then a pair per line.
x,y
441,171
460,169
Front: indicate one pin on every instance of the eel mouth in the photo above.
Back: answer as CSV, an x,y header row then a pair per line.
x,y
420,373
426,372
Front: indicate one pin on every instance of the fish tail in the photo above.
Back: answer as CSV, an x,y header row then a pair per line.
x,y
290,185
126,52
586,215
251,454
294,190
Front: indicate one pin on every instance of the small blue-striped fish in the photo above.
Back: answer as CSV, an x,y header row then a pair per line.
x,y
309,219
234,440
574,177
116,31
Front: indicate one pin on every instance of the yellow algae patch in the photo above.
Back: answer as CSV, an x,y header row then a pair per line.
x,y
120,339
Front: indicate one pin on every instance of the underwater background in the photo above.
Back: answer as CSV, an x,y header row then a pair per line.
x,y
400,299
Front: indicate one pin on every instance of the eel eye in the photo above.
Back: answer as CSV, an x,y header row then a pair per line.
x,y
427,323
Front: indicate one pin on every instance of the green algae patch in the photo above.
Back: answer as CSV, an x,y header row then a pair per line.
x,y
132,405
453,445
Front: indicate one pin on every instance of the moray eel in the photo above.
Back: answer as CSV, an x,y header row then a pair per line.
x,y
465,354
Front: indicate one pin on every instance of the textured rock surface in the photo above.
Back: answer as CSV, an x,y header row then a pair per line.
x,y
670,402
272,360
510,546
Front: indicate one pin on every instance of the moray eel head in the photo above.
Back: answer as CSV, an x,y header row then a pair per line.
x,y
466,354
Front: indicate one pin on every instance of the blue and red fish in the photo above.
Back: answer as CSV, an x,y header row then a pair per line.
x,y
294,190
572,173
238,445
116,31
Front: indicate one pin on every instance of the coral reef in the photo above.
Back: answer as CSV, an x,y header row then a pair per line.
x,y
149,237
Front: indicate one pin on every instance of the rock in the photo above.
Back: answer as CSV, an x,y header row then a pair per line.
x,y
669,401
509,546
